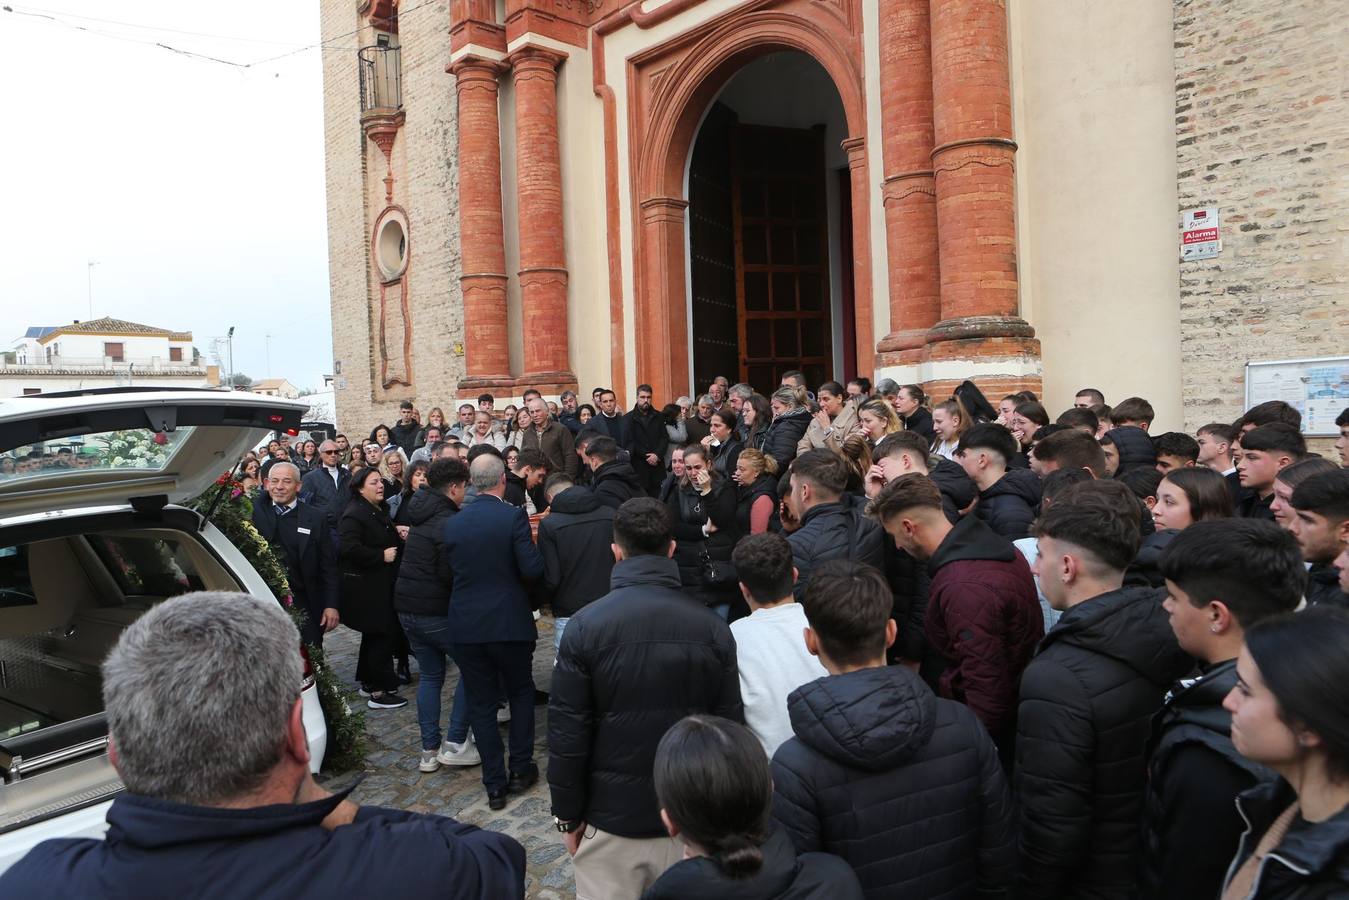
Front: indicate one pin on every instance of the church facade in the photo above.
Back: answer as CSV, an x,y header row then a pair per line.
x,y
574,193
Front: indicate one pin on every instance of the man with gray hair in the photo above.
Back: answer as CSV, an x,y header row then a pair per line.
x,y
325,486
491,557
206,730
299,534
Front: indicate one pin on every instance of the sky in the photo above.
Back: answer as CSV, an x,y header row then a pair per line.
x,y
197,187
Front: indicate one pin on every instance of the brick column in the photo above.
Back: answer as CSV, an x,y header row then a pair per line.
x,y
910,201
864,316
973,162
662,340
543,257
482,244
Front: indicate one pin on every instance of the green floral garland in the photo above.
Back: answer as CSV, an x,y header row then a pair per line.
x,y
233,516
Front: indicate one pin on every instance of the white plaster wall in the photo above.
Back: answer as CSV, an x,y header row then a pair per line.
x,y
15,385
1094,104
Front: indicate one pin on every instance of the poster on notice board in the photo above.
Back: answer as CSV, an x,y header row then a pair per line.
x,y
1317,388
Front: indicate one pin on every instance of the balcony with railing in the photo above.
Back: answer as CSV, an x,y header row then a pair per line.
x,y
381,80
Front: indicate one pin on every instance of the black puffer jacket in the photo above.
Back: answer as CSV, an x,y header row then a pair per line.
x,y
783,876
1312,860
1008,505
575,539
837,530
958,490
1190,827
615,483
1145,570
1087,701
632,664
1135,448
423,586
904,786
1323,587
783,434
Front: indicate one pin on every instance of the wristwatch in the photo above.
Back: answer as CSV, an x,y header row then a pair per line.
x,y
565,826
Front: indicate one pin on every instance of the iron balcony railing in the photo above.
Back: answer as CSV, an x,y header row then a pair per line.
x,y
381,78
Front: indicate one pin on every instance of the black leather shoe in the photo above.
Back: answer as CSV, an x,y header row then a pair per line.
x,y
496,800
523,781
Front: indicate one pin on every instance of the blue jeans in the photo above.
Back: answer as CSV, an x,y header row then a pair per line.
x,y
430,640
559,626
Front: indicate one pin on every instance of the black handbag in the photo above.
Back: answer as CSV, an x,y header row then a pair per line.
x,y
715,573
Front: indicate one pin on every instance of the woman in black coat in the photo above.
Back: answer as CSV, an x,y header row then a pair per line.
x,y
721,443
791,419
909,406
368,548
703,511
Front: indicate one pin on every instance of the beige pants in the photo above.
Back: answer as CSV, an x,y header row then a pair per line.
x,y
609,867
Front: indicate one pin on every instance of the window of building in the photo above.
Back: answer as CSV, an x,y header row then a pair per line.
x,y
28,392
113,350
175,354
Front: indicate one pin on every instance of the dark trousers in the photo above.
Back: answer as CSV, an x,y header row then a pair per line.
x,y
311,632
483,667
374,663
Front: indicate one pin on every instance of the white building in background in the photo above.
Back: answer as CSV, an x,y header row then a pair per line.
x,y
102,353
276,387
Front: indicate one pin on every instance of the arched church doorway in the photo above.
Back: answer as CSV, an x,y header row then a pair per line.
x,y
770,258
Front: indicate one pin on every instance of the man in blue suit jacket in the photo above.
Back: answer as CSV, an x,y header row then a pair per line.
x,y
491,619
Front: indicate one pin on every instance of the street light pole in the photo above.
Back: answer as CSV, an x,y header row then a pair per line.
x,y
90,280
230,340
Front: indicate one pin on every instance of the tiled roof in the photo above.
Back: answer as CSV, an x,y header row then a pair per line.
x,y
268,384
108,325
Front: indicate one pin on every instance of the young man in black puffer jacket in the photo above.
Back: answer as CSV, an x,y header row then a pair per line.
x,y
574,539
832,523
421,598
904,786
1007,497
612,479
631,664
1222,577
1087,701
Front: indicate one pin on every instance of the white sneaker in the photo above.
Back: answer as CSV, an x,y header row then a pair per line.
x,y
503,715
429,762
465,754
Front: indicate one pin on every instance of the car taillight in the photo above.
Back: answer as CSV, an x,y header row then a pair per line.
x,y
308,680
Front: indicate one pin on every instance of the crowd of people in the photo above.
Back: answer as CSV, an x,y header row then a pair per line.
x,y
840,642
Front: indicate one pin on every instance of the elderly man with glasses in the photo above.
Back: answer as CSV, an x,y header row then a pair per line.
x,y
325,487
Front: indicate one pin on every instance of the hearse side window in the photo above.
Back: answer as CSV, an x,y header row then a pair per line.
x,y
147,566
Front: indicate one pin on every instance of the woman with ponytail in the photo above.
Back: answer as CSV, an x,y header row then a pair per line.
x,y
715,795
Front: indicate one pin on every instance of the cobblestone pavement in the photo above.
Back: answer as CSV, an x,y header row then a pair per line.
x,y
392,778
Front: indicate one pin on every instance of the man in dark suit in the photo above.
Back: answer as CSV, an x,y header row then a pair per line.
x,y
491,557
325,488
301,532
647,441
609,420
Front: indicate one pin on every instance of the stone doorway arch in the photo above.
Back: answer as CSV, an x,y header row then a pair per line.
x,y
672,85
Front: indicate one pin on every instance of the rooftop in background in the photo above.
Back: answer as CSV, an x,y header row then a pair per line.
x,y
108,326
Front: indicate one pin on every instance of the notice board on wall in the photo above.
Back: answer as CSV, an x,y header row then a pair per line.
x,y
1317,388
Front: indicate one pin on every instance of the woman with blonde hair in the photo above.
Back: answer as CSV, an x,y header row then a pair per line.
x,y
393,467
756,508
950,421
876,419
791,418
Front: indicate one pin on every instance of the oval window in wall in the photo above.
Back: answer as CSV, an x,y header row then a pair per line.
x,y
391,244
